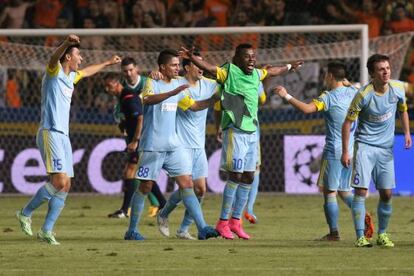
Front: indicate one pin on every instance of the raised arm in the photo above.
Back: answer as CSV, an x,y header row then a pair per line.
x,y
405,122
278,70
152,99
95,68
346,132
202,64
58,53
306,108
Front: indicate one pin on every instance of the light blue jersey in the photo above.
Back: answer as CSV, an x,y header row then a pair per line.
x,y
335,104
191,126
376,114
159,128
57,90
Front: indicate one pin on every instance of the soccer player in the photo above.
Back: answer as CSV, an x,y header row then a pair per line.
x,y
239,103
132,84
248,213
62,73
333,177
160,146
375,106
191,130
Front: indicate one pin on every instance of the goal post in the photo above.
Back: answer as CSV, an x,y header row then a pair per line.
x,y
360,29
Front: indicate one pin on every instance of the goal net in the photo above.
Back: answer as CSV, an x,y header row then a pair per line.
x,y
96,142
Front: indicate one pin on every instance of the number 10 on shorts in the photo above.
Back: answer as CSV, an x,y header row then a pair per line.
x,y
237,164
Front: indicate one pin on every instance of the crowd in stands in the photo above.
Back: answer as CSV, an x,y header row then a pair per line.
x,y
384,17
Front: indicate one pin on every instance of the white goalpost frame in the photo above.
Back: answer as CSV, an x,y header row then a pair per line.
x,y
361,28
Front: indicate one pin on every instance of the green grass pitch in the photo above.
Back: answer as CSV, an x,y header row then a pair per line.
x,y
283,242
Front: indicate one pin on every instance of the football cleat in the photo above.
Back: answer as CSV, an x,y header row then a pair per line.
x,y
250,217
163,225
133,236
207,233
47,237
153,211
362,242
369,226
223,229
330,237
25,223
184,235
384,240
236,228
118,214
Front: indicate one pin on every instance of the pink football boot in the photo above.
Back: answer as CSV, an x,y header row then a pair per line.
x,y
236,228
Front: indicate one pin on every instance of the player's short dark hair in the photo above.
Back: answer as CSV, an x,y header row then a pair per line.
x,y
112,76
186,61
68,51
372,60
127,61
242,47
337,69
166,55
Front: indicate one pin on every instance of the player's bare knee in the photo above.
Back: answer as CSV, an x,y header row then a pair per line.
x,y
60,181
385,195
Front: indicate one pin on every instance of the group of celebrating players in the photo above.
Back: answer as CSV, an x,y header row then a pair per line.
x,y
164,118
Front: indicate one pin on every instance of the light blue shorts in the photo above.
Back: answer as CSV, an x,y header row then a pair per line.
x,y
175,163
373,162
239,152
56,151
199,163
334,176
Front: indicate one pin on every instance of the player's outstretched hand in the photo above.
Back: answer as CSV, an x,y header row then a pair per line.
x,y
186,53
346,160
156,75
280,90
296,65
132,146
72,39
180,88
115,60
408,141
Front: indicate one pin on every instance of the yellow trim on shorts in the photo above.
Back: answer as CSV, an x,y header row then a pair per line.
x,y
322,172
229,155
48,151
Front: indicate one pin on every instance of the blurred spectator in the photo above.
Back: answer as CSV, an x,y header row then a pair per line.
x,y
195,12
219,9
100,20
13,15
46,13
92,42
333,14
274,12
368,15
112,10
53,40
13,99
391,7
81,11
401,22
177,15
